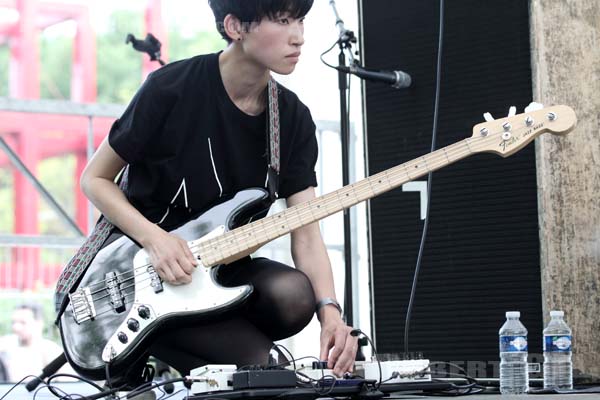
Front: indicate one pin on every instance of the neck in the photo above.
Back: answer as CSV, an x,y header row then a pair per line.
x,y
244,80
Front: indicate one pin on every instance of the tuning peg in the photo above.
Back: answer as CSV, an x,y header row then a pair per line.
x,y
488,117
512,111
533,106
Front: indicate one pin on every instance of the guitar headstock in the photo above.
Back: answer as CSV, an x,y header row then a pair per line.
x,y
508,135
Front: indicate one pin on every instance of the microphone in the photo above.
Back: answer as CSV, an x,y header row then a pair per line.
x,y
397,79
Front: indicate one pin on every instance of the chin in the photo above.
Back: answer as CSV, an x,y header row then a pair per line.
x,y
284,70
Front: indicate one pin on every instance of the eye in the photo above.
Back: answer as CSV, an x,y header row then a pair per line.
x,y
302,20
284,21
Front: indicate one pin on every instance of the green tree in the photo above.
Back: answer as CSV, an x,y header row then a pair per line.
x,y
55,74
119,67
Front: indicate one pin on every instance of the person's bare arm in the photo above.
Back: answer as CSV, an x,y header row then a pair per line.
x,y
310,256
169,254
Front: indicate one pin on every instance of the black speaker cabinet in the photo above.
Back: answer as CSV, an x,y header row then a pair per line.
x,y
481,255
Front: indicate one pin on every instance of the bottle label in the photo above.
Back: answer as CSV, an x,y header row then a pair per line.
x,y
513,343
560,343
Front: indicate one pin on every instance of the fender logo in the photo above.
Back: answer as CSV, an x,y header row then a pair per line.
x,y
507,143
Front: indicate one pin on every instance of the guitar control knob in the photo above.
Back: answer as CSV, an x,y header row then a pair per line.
x,y
133,324
144,312
122,336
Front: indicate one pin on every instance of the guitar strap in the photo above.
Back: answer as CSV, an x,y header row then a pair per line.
x,y
78,264
273,139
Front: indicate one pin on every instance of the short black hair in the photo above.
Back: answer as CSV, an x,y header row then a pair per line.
x,y
248,11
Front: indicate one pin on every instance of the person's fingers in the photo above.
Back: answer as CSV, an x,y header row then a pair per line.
x,y
180,274
346,360
326,338
190,262
338,347
164,271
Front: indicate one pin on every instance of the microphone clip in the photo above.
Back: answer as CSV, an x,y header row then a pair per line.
x,y
150,45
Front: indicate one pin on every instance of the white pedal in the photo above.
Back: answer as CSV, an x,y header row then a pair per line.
x,y
306,368
212,378
316,374
399,371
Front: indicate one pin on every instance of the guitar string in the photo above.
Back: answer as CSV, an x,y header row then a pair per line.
x,y
306,211
125,301
402,168
126,288
227,245
456,149
268,224
431,161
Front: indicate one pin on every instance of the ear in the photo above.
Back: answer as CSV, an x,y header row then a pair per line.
x,y
233,27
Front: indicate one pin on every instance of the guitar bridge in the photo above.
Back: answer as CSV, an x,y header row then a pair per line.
x,y
113,287
82,305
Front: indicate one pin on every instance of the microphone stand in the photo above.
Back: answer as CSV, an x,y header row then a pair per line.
x,y
345,41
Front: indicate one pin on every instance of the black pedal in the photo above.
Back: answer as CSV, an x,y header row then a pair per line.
x,y
272,378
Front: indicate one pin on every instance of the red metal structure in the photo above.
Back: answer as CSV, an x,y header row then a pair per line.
x,y
36,137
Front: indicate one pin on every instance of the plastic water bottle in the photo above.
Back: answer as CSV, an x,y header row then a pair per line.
x,y
558,368
514,378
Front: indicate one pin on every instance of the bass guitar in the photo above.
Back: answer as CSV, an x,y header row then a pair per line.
x,y
121,302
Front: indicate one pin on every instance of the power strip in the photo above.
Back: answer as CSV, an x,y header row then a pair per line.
x,y
212,378
398,371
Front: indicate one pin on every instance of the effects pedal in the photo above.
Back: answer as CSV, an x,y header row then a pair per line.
x,y
212,378
399,371
318,373
264,378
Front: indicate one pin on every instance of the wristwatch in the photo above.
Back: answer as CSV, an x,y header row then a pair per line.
x,y
327,301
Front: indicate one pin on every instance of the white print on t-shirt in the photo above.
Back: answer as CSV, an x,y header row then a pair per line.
x,y
215,168
185,199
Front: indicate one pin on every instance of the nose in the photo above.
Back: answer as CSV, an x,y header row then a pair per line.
x,y
297,36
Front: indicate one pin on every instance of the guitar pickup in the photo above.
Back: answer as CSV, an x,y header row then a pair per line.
x,y
155,281
82,305
113,287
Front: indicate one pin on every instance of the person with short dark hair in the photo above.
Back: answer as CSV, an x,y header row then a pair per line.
x,y
194,134
26,351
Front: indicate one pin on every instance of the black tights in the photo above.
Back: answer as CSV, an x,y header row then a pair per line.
x,y
281,305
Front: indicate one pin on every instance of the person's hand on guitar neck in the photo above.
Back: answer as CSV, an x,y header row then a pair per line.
x,y
170,255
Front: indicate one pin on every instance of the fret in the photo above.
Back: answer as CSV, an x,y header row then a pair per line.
x,y
319,211
260,232
468,146
446,154
338,201
329,203
293,215
315,212
346,196
383,181
363,190
371,187
247,233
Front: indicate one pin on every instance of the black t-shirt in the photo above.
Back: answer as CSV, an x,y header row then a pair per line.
x,y
187,143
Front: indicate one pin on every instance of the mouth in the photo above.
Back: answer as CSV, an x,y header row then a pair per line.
x,y
293,55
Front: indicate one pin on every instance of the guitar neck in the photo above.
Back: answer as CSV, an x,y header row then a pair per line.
x,y
241,241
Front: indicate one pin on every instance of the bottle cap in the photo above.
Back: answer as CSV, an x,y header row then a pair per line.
x,y
513,314
557,313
